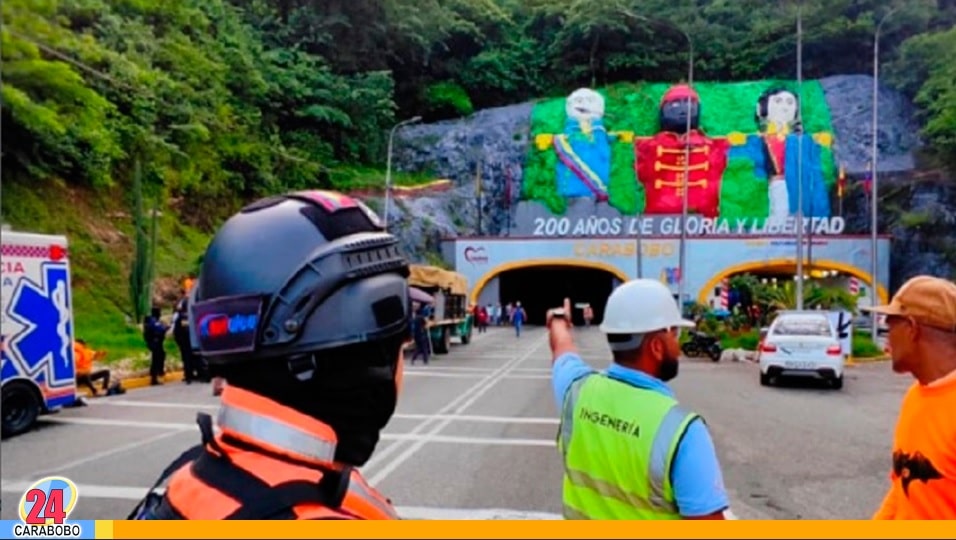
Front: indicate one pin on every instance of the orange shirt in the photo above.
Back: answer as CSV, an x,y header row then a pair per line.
x,y
924,455
82,358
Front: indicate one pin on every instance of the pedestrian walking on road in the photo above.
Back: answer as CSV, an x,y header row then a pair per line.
x,y
310,347
481,316
921,319
517,318
630,450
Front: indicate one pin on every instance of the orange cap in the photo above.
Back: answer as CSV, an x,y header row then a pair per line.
x,y
928,300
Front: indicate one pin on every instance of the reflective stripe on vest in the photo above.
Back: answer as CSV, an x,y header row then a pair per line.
x,y
618,442
278,435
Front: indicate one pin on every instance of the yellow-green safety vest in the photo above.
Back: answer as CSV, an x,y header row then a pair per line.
x,y
618,443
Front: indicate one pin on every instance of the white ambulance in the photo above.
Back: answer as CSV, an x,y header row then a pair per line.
x,y
38,374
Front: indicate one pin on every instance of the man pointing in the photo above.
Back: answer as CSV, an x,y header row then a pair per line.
x,y
630,450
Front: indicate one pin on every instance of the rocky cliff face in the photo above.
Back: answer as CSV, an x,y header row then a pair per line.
x,y
497,141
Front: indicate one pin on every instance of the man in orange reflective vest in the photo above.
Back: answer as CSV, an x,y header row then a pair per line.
x,y
302,308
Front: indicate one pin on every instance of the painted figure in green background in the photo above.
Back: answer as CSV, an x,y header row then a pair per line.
x,y
775,151
583,150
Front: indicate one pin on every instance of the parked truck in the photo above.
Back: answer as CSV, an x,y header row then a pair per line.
x,y
36,360
450,315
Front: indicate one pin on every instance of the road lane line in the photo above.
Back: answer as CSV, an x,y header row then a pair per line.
x,y
455,439
393,464
450,407
145,424
452,368
400,416
106,453
545,420
131,493
178,427
444,374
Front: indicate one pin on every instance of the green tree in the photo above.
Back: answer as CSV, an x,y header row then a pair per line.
x,y
140,275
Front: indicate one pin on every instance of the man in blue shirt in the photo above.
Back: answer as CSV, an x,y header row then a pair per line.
x,y
646,361
517,318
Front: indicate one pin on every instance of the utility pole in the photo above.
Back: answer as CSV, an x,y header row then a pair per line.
x,y
874,239
388,165
681,281
799,276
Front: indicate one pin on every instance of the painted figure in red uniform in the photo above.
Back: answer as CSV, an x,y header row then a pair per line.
x,y
659,161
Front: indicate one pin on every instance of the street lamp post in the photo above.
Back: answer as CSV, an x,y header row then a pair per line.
x,y
682,261
799,276
874,269
388,165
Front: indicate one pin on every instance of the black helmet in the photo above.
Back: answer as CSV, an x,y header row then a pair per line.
x,y
296,274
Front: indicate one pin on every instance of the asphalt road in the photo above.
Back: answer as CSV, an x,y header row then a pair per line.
x,y
474,438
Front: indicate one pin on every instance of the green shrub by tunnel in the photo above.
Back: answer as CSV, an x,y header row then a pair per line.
x,y
725,108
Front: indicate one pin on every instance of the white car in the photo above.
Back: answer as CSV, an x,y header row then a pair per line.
x,y
802,344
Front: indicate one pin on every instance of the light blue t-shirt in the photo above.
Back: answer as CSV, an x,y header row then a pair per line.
x,y
695,472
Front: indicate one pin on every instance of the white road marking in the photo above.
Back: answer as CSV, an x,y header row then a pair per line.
x,y
444,374
455,439
481,418
400,416
145,424
472,514
130,493
424,369
156,404
183,426
383,455
456,408
89,458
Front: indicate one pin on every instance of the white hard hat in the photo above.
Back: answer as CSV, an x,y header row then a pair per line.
x,y
640,306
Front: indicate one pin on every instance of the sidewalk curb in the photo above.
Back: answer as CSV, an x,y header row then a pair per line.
x,y
142,382
130,383
852,362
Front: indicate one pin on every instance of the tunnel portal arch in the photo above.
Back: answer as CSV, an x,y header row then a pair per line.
x,y
501,272
758,266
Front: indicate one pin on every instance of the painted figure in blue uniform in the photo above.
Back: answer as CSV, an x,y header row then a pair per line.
x,y
774,152
583,149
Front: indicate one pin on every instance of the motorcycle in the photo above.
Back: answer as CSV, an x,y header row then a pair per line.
x,y
702,344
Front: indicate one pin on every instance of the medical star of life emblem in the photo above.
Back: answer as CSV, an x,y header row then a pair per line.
x,y
45,344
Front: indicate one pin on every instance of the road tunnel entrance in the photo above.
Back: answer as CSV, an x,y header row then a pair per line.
x,y
540,288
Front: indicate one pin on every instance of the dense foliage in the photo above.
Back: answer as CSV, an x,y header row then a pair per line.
x,y
224,99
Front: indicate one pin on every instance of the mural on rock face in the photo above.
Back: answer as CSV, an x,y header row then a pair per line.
x,y
623,148
775,151
660,160
583,149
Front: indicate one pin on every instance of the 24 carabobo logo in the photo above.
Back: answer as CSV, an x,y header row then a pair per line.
x,y
46,341
48,501
45,507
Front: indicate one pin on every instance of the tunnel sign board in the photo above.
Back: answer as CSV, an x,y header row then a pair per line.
x,y
623,248
671,226
583,218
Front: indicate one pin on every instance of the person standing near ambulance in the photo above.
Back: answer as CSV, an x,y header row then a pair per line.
x,y
630,450
302,307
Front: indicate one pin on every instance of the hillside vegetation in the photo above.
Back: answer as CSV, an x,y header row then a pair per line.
x,y
220,101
